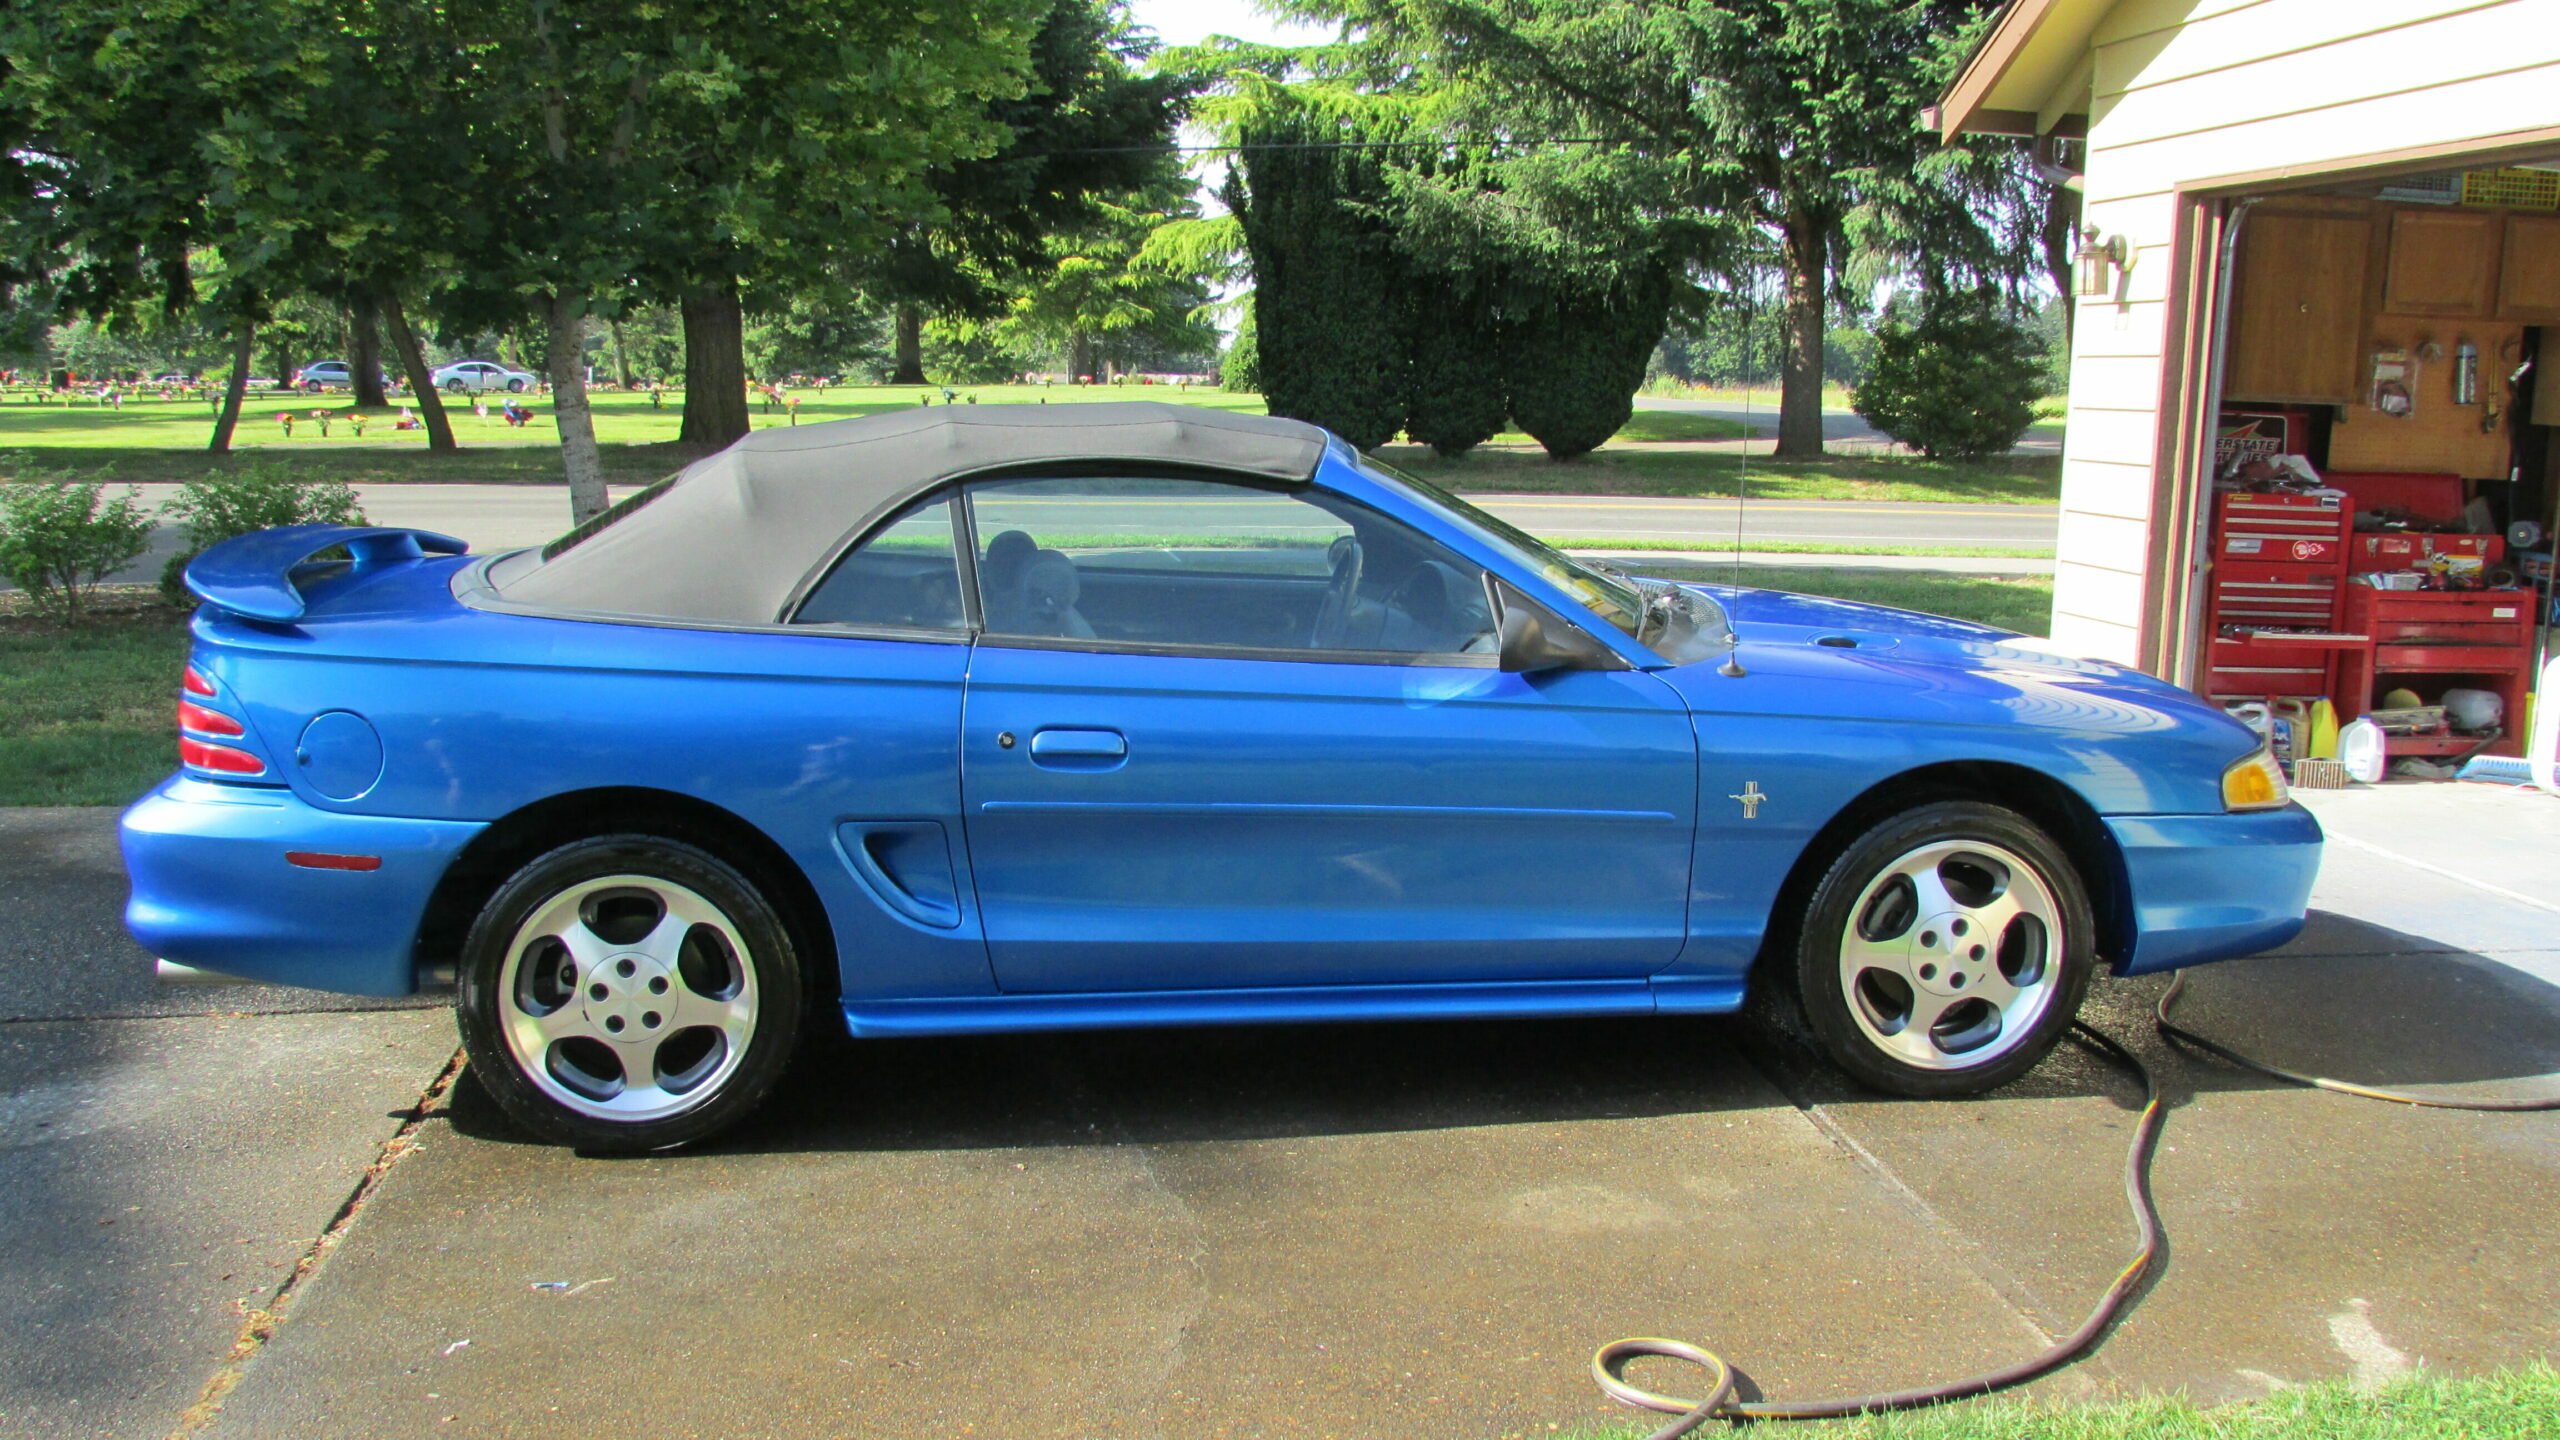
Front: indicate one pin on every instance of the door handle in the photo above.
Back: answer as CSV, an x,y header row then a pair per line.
x,y
1079,749
1080,744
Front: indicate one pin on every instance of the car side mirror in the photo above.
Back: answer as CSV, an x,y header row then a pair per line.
x,y
1534,638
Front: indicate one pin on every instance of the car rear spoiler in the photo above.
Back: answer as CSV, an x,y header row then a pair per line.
x,y
252,575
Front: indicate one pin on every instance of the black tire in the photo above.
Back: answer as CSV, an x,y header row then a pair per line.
x,y
515,387
708,1068
453,387
1861,1015
310,387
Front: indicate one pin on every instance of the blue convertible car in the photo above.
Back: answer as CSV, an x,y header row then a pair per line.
x,y
1015,718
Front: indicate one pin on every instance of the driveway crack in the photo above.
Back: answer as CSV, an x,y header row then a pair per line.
x,y
258,1326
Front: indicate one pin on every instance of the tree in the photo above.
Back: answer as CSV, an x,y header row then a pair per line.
x,y
718,154
1091,128
1310,190
1788,115
1099,303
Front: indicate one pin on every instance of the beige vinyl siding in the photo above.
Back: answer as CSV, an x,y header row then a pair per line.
x,y
2184,91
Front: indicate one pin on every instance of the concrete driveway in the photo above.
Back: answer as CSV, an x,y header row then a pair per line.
x,y
234,1219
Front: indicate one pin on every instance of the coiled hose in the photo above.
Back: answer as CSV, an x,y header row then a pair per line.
x,y
1608,1367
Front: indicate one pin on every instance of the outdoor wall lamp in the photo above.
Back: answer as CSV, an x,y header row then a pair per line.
x,y
2100,260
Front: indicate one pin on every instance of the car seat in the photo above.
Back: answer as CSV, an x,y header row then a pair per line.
x,y
1029,590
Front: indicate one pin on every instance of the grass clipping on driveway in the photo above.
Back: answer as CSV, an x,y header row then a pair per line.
x,y
2509,1405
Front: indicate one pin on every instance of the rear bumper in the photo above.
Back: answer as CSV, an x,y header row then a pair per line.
x,y
2214,887
212,888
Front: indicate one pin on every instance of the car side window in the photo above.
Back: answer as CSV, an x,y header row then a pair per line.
x,y
905,576
1214,565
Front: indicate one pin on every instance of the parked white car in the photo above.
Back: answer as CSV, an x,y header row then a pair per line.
x,y
467,375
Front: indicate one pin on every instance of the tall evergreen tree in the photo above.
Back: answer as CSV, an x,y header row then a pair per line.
x,y
1788,115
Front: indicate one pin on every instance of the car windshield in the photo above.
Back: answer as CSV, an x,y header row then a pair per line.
x,y
1679,625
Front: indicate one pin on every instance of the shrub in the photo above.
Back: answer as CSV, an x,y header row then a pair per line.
x,y
1961,384
1574,362
217,507
1457,400
1240,368
60,537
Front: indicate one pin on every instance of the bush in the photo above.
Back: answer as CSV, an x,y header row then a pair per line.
x,y
1961,384
255,497
58,540
1574,362
1240,369
1457,398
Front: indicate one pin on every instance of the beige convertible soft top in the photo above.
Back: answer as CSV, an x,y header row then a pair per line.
x,y
732,539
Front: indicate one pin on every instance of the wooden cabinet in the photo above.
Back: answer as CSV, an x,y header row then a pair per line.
x,y
2529,275
2297,307
2443,262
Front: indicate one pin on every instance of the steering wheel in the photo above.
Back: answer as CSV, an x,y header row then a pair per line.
x,y
1333,617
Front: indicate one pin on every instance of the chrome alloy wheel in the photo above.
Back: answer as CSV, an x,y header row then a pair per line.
x,y
627,998
1951,954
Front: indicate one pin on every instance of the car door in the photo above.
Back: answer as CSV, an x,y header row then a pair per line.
x,y
1219,735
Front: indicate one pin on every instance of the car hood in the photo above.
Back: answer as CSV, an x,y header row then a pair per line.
x,y
1876,662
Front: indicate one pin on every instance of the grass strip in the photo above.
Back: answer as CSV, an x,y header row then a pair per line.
x,y
2521,1404
1802,547
154,439
88,715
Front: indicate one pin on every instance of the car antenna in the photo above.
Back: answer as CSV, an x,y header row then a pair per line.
x,y
1732,665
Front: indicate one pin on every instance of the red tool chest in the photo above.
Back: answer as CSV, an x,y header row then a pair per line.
x,y
2274,595
2433,640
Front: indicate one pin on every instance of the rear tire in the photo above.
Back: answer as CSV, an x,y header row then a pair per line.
x,y
515,387
629,993
1945,951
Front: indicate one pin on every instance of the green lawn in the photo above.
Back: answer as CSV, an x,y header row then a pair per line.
x,y
2011,480
154,439
89,716
2022,603
2511,1405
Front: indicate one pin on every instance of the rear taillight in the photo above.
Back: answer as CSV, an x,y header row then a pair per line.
x,y
197,720
192,716
220,758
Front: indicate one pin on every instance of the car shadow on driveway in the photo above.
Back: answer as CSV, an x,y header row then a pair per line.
x,y
2347,999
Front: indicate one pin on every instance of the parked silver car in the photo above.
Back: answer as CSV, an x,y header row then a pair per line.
x,y
322,375
468,375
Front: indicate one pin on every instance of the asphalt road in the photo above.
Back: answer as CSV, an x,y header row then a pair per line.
x,y
1357,1231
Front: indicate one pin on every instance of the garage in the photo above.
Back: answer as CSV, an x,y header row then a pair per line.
x,y
2311,443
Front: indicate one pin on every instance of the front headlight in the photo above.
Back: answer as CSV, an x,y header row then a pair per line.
x,y
2255,782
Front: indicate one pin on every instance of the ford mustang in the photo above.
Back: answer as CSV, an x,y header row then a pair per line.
x,y
1023,718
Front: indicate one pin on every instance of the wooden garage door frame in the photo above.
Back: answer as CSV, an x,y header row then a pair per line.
x,y
2172,639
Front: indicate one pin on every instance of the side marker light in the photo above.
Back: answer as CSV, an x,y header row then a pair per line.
x,y
321,860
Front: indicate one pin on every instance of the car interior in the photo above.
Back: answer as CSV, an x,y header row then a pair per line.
x,y
1370,586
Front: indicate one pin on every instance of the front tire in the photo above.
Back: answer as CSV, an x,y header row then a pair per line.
x,y
629,993
1945,951
454,387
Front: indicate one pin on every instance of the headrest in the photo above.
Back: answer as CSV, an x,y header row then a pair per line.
x,y
1049,584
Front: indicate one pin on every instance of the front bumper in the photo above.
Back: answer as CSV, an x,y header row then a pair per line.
x,y
212,888
2215,887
